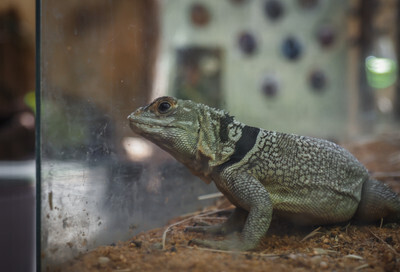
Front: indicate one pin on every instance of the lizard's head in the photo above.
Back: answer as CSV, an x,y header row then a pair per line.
x,y
170,123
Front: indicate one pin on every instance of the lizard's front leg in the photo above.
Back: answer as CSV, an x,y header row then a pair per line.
x,y
251,195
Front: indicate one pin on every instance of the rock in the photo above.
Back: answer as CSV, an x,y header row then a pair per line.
x,y
103,260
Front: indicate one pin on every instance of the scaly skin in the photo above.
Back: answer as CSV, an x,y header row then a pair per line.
x,y
306,180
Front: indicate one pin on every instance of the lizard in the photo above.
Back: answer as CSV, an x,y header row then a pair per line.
x,y
307,180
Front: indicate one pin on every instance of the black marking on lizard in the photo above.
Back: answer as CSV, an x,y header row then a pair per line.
x,y
243,146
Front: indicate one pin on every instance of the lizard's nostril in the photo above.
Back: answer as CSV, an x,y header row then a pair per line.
x,y
135,113
132,115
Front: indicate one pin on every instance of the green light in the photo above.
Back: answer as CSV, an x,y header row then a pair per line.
x,y
29,99
381,72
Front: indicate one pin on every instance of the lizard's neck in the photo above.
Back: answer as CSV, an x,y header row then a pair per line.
x,y
217,137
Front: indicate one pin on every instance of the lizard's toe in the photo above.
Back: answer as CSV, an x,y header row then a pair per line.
x,y
211,229
202,229
228,244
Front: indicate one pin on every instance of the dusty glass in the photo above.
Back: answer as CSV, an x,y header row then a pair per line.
x,y
99,182
288,68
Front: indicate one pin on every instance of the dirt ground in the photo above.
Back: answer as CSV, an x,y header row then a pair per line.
x,y
285,247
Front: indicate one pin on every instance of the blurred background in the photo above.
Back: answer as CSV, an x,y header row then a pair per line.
x,y
320,68
17,135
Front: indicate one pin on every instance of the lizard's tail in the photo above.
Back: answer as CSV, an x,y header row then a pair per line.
x,y
378,201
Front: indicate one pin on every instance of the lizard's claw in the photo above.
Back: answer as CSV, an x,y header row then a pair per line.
x,y
211,244
211,229
234,243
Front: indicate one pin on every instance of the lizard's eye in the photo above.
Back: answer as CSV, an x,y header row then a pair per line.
x,y
164,107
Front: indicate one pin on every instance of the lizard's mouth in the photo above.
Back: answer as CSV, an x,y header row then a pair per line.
x,y
150,126
138,123
140,126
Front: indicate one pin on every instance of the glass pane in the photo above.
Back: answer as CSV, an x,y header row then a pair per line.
x,y
100,182
288,66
